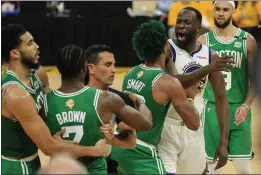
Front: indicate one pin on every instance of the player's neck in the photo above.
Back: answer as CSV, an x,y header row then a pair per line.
x,y
227,31
191,47
159,63
20,70
71,85
97,84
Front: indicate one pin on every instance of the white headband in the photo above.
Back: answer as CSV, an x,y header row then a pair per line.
x,y
231,2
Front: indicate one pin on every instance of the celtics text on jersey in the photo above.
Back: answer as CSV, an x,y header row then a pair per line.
x,y
237,79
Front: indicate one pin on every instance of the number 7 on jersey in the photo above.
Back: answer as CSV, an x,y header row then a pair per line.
x,y
78,130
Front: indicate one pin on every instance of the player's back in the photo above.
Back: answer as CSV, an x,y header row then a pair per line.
x,y
16,143
77,114
237,79
140,80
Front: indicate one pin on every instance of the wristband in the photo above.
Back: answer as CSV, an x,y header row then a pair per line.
x,y
246,106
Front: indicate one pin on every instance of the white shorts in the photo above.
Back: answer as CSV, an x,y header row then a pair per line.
x,y
181,149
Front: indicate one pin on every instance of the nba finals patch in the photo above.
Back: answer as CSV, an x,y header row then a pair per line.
x,y
140,74
70,103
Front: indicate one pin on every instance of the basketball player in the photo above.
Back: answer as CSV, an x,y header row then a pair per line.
x,y
226,39
177,141
81,110
158,90
23,130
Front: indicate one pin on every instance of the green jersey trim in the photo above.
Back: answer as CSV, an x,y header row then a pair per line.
x,y
11,82
143,66
45,105
95,104
245,44
61,94
38,79
156,78
207,39
226,42
29,88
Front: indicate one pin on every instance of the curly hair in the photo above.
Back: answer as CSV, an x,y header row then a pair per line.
x,y
149,40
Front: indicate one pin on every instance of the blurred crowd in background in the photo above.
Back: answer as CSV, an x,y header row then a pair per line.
x,y
247,16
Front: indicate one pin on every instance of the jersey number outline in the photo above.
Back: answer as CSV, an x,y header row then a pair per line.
x,y
228,78
77,129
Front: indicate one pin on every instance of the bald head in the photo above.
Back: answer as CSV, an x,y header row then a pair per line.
x,y
63,164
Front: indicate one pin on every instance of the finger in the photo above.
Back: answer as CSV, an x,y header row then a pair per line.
x,y
226,70
112,131
74,142
216,156
225,60
105,128
221,163
240,120
227,57
60,132
237,112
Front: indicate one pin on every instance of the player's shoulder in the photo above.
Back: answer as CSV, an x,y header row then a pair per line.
x,y
250,41
167,80
202,38
15,93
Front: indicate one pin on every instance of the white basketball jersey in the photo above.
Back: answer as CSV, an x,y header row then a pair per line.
x,y
187,63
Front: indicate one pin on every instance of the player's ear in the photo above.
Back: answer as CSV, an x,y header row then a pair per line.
x,y
91,68
198,29
15,54
233,11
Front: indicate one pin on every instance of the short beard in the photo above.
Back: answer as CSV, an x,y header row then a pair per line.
x,y
189,39
30,64
224,25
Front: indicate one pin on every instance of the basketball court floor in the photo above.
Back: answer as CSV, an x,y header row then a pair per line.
x,y
55,81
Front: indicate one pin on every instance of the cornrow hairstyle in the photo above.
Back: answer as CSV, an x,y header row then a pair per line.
x,y
92,52
149,40
70,61
11,38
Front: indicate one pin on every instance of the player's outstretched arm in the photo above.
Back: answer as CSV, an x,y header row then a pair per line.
x,y
139,118
19,103
173,89
222,109
192,78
